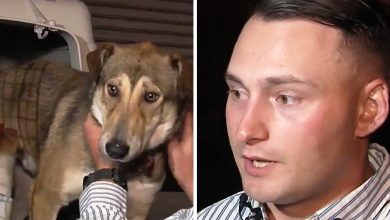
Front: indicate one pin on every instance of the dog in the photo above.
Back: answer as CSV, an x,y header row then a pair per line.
x,y
136,93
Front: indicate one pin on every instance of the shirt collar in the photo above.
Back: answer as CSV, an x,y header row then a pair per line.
x,y
379,159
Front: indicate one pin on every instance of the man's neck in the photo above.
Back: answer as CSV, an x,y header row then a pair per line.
x,y
309,206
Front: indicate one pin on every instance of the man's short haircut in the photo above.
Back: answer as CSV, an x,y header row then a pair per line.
x,y
363,23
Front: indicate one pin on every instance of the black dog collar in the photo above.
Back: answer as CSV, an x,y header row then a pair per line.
x,y
105,174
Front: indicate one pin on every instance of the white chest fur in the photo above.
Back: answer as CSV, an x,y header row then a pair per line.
x,y
73,183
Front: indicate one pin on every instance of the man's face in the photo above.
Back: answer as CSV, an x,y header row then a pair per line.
x,y
292,109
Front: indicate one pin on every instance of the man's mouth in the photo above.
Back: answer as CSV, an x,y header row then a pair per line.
x,y
260,163
258,166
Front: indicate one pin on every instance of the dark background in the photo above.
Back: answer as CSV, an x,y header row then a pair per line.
x,y
219,24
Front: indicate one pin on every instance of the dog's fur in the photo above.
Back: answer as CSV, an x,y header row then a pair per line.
x,y
47,104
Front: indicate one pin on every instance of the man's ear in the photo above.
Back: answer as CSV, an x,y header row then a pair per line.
x,y
373,107
97,58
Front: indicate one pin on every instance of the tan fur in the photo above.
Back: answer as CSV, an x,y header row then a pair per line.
x,y
47,104
8,146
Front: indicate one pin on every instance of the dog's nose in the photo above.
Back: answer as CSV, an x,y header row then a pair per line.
x,y
117,149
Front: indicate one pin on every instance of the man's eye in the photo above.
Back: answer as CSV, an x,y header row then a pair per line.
x,y
287,100
236,94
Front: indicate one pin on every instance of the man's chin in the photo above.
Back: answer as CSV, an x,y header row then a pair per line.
x,y
270,194
261,192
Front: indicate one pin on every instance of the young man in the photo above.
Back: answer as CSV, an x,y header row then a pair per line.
x,y
307,86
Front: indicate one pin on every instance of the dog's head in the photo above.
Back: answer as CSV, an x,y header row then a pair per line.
x,y
136,98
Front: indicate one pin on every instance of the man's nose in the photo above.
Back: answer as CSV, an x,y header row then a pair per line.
x,y
253,127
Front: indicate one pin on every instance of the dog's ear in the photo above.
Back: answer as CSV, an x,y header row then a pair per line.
x,y
176,62
184,90
97,58
185,79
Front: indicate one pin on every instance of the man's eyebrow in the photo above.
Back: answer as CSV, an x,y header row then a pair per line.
x,y
288,79
273,80
231,77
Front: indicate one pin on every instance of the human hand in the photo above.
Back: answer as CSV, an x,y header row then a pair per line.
x,y
92,134
180,157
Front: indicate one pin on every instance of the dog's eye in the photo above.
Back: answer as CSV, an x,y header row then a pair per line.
x,y
113,90
151,96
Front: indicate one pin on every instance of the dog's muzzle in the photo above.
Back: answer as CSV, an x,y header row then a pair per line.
x,y
117,149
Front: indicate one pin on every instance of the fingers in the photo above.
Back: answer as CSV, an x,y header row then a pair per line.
x,y
187,135
173,143
188,126
92,133
180,157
